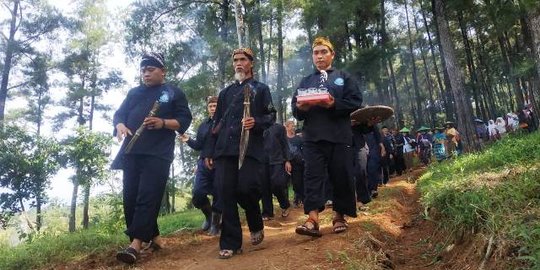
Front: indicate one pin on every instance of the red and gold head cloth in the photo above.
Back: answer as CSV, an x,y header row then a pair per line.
x,y
322,41
246,51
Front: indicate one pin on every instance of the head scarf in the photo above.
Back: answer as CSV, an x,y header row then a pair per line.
x,y
323,41
245,51
153,59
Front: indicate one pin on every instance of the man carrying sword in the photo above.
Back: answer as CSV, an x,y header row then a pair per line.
x,y
156,110
244,110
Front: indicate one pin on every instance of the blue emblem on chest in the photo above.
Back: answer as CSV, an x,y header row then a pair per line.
x,y
339,81
164,98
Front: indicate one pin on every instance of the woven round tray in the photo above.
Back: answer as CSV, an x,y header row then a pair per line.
x,y
364,114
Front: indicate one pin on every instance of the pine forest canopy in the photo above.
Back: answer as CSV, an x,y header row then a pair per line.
x,y
432,61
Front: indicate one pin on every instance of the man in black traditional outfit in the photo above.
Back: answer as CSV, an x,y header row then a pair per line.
x,y
145,156
235,184
204,177
327,139
296,143
278,167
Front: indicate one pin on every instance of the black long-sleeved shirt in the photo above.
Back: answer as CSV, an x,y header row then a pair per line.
x,y
228,117
359,131
333,124
296,145
203,133
276,144
137,105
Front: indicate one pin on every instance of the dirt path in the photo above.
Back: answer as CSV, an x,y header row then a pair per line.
x,y
390,235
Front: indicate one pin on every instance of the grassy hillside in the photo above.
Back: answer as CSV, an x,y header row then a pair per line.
x,y
495,193
55,248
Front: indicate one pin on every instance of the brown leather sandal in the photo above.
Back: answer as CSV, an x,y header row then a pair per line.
x,y
228,253
128,255
309,230
257,237
339,225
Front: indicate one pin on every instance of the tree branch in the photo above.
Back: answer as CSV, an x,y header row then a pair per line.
x,y
183,5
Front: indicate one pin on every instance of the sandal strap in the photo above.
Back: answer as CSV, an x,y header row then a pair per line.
x,y
312,221
341,220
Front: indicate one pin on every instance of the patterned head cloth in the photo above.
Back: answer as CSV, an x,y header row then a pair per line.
x,y
246,51
153,59
323,41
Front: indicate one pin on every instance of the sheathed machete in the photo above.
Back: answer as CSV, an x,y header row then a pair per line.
x,y
244,135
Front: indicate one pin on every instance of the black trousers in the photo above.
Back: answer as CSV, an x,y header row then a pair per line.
x,y
204,186
297,179
329,162
144,183
363,194
235,187
274,181
386,163
399,162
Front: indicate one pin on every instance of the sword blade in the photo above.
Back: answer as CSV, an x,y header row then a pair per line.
x,y
244,135
244,141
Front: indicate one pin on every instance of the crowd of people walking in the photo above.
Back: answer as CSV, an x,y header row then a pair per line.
x,y
246,158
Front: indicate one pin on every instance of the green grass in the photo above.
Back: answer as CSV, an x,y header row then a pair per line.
x,y
51,249
56,248
186,220
496,192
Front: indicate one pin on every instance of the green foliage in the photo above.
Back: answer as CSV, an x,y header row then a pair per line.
x,y
107,213
26,164
481,192
88,153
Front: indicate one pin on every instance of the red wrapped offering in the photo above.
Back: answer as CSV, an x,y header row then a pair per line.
x,y
314,98
313,95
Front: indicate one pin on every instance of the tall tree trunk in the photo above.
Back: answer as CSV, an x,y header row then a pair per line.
x,y
270,33
531,22
248,20
470,63
432,113
240,29
39,217
280,83
87,186
433,57
487,83
409,94
86,206
418,99
383,41
10,48
397,106
448,98
76,182
73,208
224,36
40,113
26,218
463,106
258,21
518,95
